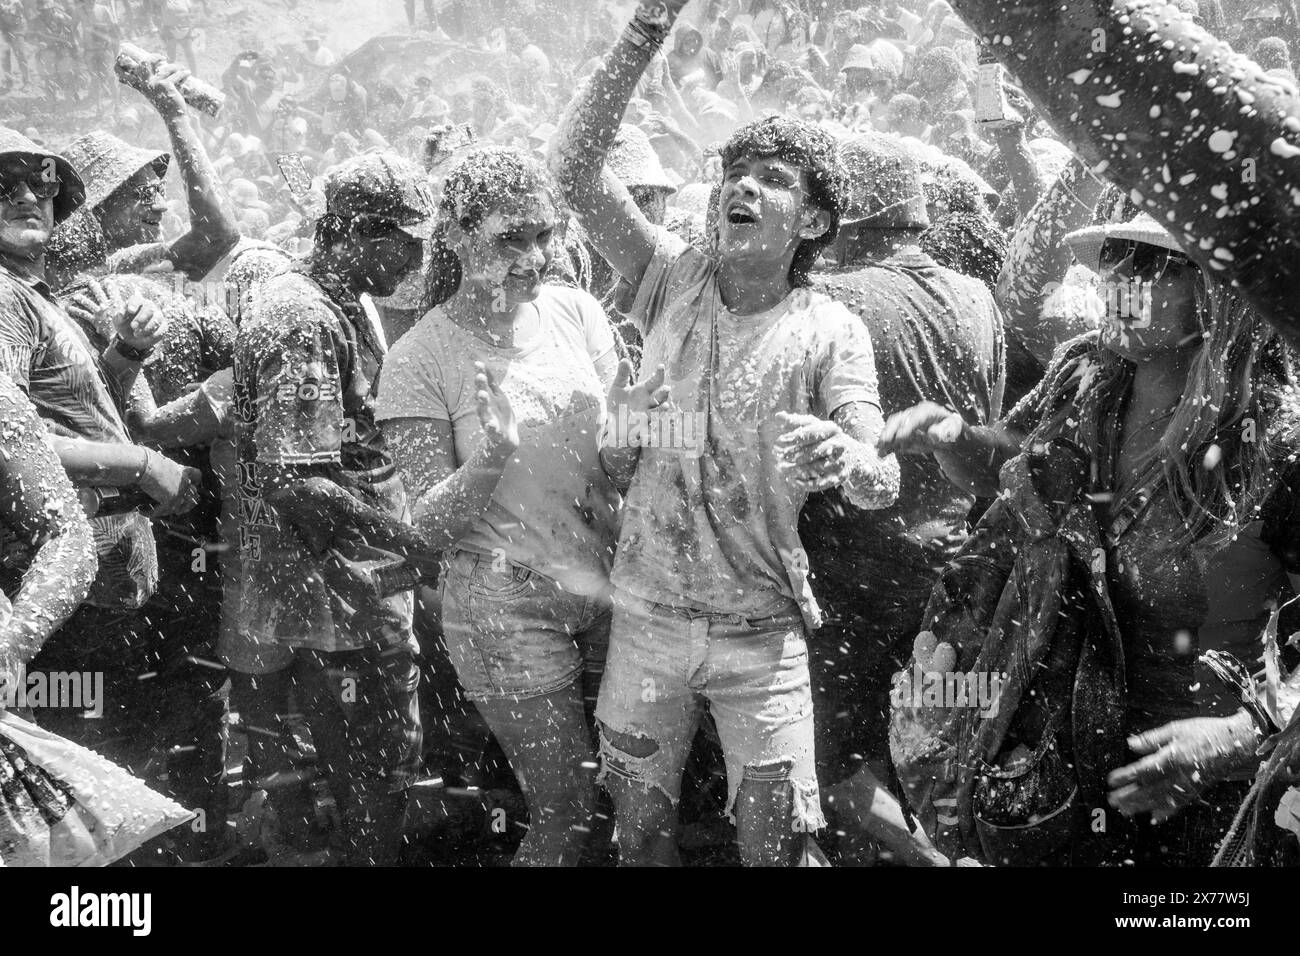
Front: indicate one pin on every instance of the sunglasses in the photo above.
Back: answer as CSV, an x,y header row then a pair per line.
x,y
41,187
376,227
149,193
1149,262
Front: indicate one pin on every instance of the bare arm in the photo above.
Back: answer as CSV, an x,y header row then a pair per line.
x,y
120,373
1038,257
820,454
969,455
40,509
189,420
872,481
1015,152
212,232
617,228
689,128
448,498
323,512
1185,149
138,323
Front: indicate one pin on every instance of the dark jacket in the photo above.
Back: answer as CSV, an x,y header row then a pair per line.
x,y
1025,598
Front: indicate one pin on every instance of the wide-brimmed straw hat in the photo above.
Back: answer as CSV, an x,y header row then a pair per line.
x,y
1086,243
106,163
72,191
633,160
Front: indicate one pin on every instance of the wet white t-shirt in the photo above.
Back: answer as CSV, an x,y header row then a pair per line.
x,y
554,510
711,520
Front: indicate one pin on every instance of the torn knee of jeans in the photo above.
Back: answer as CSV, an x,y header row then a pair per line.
x,y
805,796
771,771
628,756
634,746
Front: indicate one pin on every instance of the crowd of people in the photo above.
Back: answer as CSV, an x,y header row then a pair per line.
x,y
784,432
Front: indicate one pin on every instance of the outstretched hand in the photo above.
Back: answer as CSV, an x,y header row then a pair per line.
x,y
922,429
636,396
814,451
1178,760
494,411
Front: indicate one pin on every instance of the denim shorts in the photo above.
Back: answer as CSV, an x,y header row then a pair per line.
x,y
513,633
665,662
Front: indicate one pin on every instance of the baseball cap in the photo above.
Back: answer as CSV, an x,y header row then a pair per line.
x,y
382,185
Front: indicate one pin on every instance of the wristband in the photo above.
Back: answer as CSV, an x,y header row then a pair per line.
x,y
635,35
144,468
648,29
130,352
654,23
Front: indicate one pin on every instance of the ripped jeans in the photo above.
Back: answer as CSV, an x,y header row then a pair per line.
x,y
665,662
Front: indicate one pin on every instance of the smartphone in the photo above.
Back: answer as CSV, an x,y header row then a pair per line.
x,y
294,173
299,182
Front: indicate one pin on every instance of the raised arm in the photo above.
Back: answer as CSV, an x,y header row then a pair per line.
x,y
617,228
1038,257
1207,143
212,231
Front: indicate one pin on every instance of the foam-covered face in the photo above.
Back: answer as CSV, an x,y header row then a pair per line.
x,y
1150,302
386,253
763,210
26,220
132,215
512,249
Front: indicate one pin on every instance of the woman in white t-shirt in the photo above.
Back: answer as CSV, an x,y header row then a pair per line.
x,y
494,404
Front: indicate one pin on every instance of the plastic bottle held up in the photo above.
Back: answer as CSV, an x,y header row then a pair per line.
x,y
990,99
135,66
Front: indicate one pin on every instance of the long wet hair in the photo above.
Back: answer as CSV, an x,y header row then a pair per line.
x,y
481,182
1236,425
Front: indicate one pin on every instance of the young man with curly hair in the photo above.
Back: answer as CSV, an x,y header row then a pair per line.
x,y
771,395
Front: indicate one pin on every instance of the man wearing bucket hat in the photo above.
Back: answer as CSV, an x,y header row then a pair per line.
x,y
937,337
48,355
870,74
125,188
45,352
327,557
